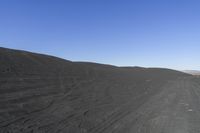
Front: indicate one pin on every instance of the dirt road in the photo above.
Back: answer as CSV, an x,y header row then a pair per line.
x,y
176,109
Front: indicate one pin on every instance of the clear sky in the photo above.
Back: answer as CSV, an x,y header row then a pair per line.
x,y
149,33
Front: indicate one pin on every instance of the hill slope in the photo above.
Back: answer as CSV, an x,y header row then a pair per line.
x,y
41,93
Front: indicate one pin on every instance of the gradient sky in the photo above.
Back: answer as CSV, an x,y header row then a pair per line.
x,y
148,33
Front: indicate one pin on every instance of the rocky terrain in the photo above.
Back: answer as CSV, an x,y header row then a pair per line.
x,y
46,94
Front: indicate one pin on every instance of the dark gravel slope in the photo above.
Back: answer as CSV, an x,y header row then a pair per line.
x,y
46,94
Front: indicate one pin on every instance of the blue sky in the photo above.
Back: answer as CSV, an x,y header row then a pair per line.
x,y
148,33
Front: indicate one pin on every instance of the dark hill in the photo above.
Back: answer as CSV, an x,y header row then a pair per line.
x,y
46,94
